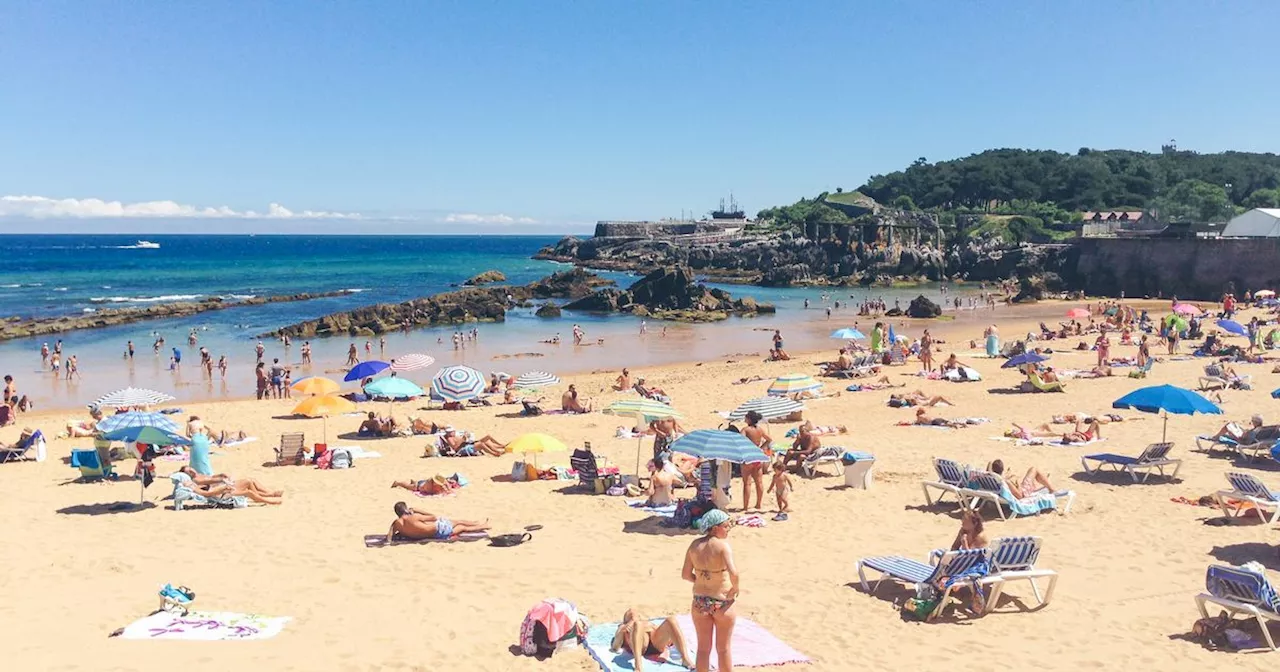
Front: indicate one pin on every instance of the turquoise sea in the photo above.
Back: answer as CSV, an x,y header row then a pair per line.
x,y
45,275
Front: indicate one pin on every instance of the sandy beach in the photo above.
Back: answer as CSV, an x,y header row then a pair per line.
x,y
1130,559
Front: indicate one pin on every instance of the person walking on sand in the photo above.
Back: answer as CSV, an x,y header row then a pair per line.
x,y
709,566
222,366
780,486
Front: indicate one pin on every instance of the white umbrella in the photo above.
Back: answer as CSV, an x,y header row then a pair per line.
x,y
768,407
130,397
412,362
536,379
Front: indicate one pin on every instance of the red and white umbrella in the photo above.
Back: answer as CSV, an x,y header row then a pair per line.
x,y
1078,313
412,362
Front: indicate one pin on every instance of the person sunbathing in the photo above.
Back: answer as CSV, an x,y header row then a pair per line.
x,y
881,383
916,398
806,444
569,402
248,487
224,491
970,535
751,379
1048,375
925,420
455,444
651,392
637,633
420,426
1033,483
953,363
375,426
436,485
1256,433
623,382
417,525
1079,416
821,430
660,483
1091,433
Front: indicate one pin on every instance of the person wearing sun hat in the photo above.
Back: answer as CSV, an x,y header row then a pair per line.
x,y
708,565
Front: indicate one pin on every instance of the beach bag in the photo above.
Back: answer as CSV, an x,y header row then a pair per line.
x,y
509,540
518,472
340,458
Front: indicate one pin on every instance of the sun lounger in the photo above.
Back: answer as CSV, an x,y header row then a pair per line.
x,y
1014,559
1153,457
29,442
917,574
1041,386
1250,451
90,465
1247,488
1241,591
824,455
989,488
1215,377
292,449
184,495
897,357
951,478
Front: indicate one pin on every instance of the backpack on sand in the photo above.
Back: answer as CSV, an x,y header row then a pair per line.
x,y
341,459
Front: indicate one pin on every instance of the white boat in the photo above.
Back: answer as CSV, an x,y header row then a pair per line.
x,y
146,245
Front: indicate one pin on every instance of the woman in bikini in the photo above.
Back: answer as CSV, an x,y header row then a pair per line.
x,y
637,633
1092,431
1033,483
708,565
754,473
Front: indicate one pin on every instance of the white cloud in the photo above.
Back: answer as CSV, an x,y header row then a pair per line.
x,y
93,208
475,218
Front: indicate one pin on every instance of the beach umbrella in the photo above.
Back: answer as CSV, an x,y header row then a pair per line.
x,y
535,443
315,385
793,383
365,369
1166,399
1186,309
1232,326
322,406
536,379
394,388
848,333
457,383
644,411
148,435
130,397
1175,323
1078,313
893,338
412,362
1023,359
719,444
768,407
138,419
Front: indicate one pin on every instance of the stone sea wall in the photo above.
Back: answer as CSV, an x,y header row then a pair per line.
x,y
651,229
1187,268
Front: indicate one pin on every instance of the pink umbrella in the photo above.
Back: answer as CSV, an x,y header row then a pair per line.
x,y
1078,313
1186,309
557,616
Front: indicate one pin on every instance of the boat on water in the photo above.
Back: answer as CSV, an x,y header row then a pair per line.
x,y
146,245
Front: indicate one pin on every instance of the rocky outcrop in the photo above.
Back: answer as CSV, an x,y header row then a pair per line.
x,y
486,278
923,308
15,327
670,294
548,310
572,284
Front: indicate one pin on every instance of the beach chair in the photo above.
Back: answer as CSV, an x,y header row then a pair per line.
x,y
184,496
1153,457
1241,591
1040,386
19,451
1014,559
1213,378
897,357
988,488
1142,371
1246,488
588,466
918,574
824,455
951,478
292,450
90,465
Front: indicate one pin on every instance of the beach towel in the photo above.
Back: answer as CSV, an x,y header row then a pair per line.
x,y
1028,506
1056,442
238,442
358,453
205,626
753,646
380,540
664,511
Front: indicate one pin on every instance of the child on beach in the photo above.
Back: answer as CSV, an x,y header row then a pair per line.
x,y
780,486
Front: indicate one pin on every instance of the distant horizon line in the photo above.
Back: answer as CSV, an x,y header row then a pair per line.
x,y
133,234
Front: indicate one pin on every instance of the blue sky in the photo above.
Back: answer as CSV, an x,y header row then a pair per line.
x,y
545,116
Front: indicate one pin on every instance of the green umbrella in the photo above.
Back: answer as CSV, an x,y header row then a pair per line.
x,y
644,410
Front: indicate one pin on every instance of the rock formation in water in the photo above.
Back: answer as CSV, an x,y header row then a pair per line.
x,y
485,278
670,294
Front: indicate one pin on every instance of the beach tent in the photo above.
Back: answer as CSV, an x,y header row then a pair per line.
x,y
1256,223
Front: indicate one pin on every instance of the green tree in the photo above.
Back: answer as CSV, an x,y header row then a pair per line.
x,y
1194,201
1263,198
904,202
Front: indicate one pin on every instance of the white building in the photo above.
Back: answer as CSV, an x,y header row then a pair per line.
x,y
1257,223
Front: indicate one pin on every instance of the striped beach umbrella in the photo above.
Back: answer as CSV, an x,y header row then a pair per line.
x,y
457,383
768,407
719,444
412,362
129,397
793,383
138,419
649,409
536,379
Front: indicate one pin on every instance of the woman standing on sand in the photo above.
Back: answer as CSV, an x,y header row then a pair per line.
x,y
926,351
993,341
708,565
754,472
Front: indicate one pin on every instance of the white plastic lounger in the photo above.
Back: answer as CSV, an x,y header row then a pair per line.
x,y
1014,559
1247,488
1241,591
950,480
824,455
1153,457
916,573
987,487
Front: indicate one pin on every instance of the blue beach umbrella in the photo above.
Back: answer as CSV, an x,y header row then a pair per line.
x,y
457,383
365,369
718,444
1023,359
893,338
147,435
138,419
848,333
394,388
1233,327
1167,399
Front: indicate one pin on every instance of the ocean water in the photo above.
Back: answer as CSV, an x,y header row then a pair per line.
x,y
51,275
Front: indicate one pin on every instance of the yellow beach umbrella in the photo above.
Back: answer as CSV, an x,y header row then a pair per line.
x,y
323,406
535,442
315,385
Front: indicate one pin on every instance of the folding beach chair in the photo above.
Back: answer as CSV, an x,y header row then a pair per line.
x,y
951,478
988,488
90,465
1246,488
1142,371
1040,386
1213,378
1014,559
1241,591
824,455
292,449
917,574
588,467
1154,457
29,442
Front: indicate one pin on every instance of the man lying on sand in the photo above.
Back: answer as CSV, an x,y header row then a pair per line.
x,y
917,398
418,525
636,633
436,485
922,419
